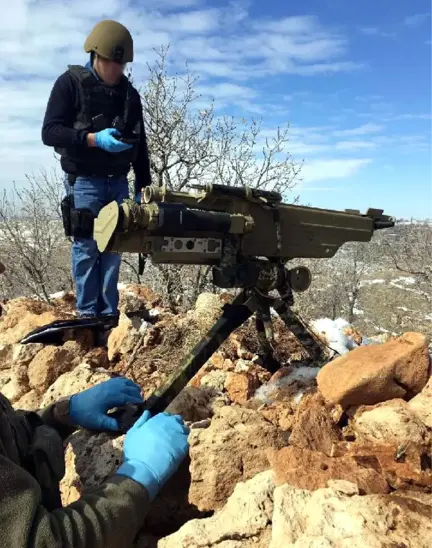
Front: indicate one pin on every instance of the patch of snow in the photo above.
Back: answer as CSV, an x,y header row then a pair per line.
x,y
404,288
358,311
303,375
143,327
155,312
121,286
409,280
58,295
298,397
372,282
333,332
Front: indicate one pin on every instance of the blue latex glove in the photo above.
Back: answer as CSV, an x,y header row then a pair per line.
x,y
88,408
106,140
153,449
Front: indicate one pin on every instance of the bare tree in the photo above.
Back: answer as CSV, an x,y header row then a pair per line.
x,y
32,241
410,251
337,282
190,145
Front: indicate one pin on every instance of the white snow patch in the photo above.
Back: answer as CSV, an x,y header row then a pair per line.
x,y
333,333
58,295
298,397
409,280
121,286
143,327
372,282
303,375
358,311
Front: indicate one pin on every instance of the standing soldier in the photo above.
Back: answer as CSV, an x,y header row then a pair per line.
x,y
94,121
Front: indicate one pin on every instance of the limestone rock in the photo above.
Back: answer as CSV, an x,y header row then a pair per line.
x,y
48,365
214,379
77,380
232,449
6,353
240,387
289,384
403,466
13,390
97,357
422,404
90,459
208,308
311,470
338,517
194,404
31,401
135,297
389,422
281,414
23,354
122,338
24,315
5,377
314,427
244,522
375,373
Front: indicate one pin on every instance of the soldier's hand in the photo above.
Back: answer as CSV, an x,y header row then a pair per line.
x,y
106,139
88,408
153,449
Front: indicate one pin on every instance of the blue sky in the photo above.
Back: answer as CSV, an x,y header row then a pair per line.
x,y
352,78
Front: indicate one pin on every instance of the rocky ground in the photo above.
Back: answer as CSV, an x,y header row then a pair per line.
x,y
315,455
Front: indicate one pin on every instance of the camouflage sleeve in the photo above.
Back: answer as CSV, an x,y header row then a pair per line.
x,y
56,415
108,516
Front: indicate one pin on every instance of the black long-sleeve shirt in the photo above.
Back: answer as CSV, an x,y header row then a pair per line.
x,y
58,130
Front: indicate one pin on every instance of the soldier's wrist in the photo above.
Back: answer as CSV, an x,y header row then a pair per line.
x,y
61,411
90,139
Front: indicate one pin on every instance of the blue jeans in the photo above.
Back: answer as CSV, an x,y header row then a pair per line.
x,y
96,274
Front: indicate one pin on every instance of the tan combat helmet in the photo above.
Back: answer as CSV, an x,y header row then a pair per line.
x,y
110,40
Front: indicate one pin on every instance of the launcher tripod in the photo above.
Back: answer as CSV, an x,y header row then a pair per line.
x,y
260,278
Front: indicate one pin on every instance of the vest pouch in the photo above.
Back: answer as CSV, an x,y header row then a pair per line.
x,y
45,457
82,222
66,207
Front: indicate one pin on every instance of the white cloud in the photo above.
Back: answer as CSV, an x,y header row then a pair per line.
x,y
376,31
329,169
355,145
408,116
416,19
236,56
226,90
365,129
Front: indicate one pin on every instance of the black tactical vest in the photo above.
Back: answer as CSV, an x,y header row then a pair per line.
x,y
102,106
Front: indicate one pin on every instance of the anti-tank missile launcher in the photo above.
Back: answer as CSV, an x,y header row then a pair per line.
x,y
247,236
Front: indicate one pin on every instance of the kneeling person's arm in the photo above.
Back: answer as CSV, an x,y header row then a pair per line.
x,y
108,516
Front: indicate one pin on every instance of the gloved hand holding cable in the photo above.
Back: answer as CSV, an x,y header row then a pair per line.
x,y
89,408
153,449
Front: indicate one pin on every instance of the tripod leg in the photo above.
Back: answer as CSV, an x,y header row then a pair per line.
x,y
300,330
233,316
265,334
